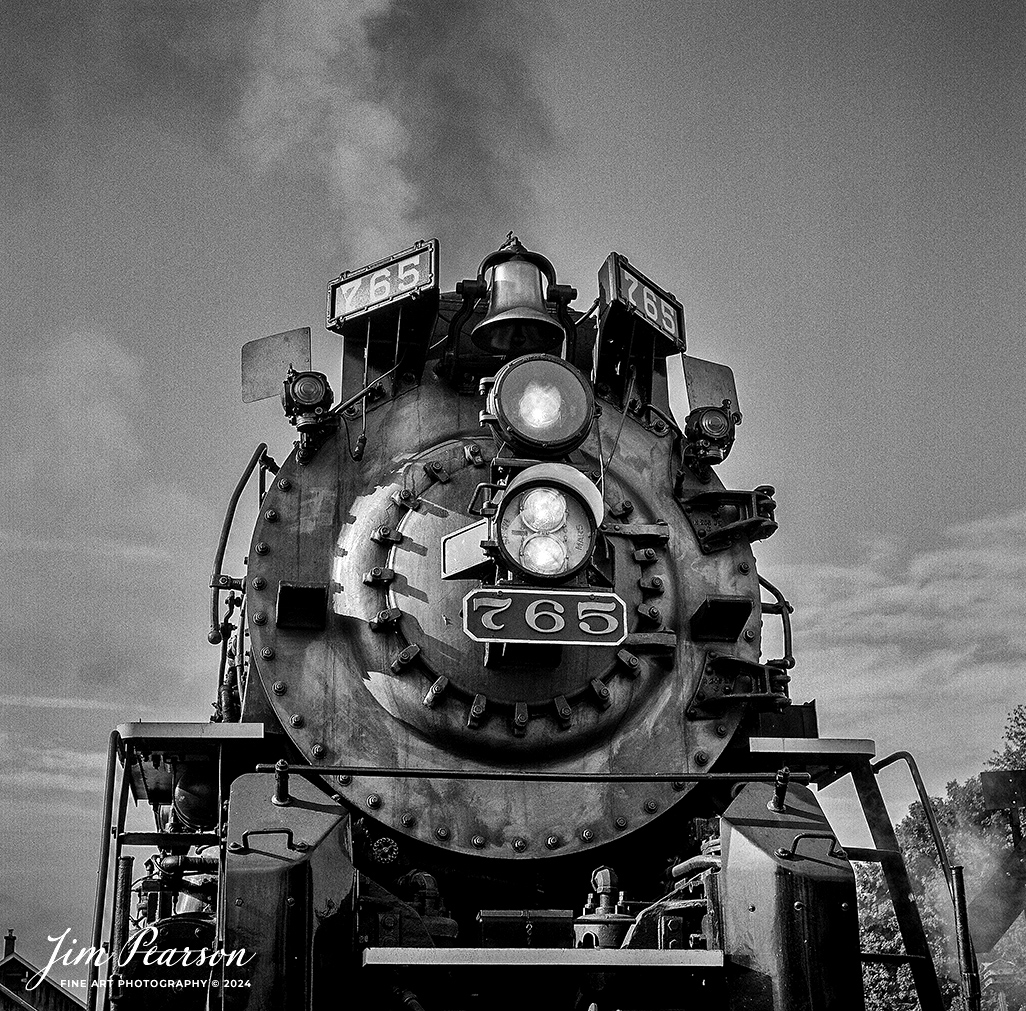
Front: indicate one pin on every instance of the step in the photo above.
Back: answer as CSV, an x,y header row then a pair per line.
x,y
567,958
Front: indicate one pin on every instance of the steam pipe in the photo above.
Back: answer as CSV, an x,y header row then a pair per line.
x,y
122,905
970,973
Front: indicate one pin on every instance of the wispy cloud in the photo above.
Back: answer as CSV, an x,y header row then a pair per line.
x,y
41,769
45,702
919,649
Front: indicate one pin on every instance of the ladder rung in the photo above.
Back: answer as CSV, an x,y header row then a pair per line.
x,y
869,855
888,958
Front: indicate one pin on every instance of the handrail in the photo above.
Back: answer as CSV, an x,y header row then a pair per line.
x,y
969,972
99,902
924,799
535,777
259,455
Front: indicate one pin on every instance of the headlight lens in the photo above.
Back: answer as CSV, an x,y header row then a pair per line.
x,y
543,554
715,424
545,531
543,510
309,389
542,404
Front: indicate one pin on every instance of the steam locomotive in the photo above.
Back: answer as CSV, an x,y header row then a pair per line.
x,y
493,725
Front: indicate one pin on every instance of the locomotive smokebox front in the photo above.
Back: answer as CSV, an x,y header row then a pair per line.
x,y
500,578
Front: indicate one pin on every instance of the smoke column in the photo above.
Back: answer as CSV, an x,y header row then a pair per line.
x,y
423,119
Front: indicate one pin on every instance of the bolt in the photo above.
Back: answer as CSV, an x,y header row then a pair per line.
x,y
234,847
751,908
259,583
744,567
678,784
271,515
701,758
374,800
552,842
279,688
404,495
337,798
519,844
260,618
478,841
616,528
267,652
344,780
318,750
845,906
284,483
749,634
649,552
651,806
654,613
238,902
290,901
587,835
407,820
721,730
657,582
442,833
621,823
782,853
296,720
388,921
799,906
262,548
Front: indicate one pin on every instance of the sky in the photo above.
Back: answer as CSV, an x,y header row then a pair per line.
x,y
834,191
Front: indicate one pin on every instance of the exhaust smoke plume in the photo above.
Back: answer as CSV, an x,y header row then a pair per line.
x,y
423,120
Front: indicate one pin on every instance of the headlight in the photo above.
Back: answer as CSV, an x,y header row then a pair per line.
x,y
306,397
543,510
714,423
308,389
547,522
542,404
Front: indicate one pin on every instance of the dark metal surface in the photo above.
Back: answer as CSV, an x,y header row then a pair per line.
x,y
266,361
788,907
1003,790
344,703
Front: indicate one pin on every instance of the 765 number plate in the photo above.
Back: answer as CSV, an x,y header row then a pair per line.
x,y
557,617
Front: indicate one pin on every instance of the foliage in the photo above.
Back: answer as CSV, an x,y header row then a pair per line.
x,y
975,839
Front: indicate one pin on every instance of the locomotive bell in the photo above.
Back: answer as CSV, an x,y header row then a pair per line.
x,y
517,320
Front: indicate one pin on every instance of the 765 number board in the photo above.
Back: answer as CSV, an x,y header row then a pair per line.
x,y
556,617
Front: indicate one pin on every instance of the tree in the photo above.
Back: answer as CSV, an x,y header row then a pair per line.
x,y
974,838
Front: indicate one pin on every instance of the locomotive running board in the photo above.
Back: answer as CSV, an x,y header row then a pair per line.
x,y
570,958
